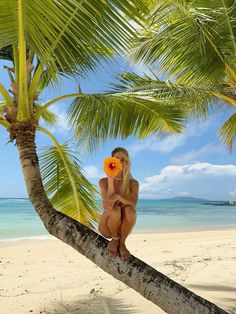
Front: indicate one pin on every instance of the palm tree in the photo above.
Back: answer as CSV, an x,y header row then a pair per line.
x,y
47,39
193,45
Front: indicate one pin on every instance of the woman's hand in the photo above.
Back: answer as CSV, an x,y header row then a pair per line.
x,y
110,179
109,203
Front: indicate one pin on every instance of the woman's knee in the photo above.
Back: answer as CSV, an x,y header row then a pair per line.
x,y
130,213
115,213
104,231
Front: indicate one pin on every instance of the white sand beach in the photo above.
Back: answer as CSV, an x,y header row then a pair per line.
x,y
48,276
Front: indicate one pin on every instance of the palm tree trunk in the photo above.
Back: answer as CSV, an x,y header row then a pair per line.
x,y
153,285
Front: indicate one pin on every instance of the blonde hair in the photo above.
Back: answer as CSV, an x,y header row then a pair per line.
x,y
127,177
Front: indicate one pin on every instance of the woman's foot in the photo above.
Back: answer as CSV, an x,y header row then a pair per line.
x,y
112,247
124,253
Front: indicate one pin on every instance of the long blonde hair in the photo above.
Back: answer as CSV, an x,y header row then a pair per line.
x,y
127,177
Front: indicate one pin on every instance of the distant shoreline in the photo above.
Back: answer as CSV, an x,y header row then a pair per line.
x,y
145,199
227,203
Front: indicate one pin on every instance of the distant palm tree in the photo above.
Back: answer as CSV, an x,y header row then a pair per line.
x,y
49,38
193,45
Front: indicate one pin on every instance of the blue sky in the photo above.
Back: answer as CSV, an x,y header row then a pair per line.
x,y
194,163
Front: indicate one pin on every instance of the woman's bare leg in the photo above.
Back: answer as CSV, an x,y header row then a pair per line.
x,y
109,227
127,223
102,227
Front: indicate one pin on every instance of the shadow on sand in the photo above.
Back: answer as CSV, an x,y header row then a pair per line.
x,y
231,308
213,287
91,305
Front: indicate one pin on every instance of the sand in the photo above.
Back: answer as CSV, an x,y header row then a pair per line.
x,y
48,276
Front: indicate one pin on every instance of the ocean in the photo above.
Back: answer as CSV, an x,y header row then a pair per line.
x,y
18,219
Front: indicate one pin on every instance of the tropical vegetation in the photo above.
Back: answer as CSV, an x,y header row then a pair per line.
x,y
49,39
192,45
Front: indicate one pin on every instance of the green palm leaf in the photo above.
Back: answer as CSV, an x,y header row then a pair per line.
x,y
227,131
189,41
2,105
70,35
95,118
47,116
3,122
195,100
6,53
69,191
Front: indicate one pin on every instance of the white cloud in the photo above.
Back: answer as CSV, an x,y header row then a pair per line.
x,y
198,179
232,193
92,172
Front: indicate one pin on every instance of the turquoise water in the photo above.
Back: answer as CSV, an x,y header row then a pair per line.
x,y
18,219
184,215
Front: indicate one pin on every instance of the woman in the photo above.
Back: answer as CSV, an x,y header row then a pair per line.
x,y
119,196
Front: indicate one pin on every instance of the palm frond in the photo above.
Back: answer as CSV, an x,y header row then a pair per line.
x,y
7,98
6,53
72,35
230,10
188,43
140,106
46,80
69,191
2,106
95,118
227,132
207,4
196,101
4,123
47,116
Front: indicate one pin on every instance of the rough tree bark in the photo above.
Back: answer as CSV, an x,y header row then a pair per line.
x,y
153,285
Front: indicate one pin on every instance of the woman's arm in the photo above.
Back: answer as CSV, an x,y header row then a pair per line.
x,y
134,196
103,189
107,191
109,197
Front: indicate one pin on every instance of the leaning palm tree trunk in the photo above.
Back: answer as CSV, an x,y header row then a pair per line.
x,y
153,285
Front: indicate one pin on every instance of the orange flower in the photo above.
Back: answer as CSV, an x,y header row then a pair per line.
x,y
112,166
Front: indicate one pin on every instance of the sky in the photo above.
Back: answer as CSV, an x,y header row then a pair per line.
x,y
193,164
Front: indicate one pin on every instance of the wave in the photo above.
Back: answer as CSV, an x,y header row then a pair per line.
x,y
42,237
14,200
